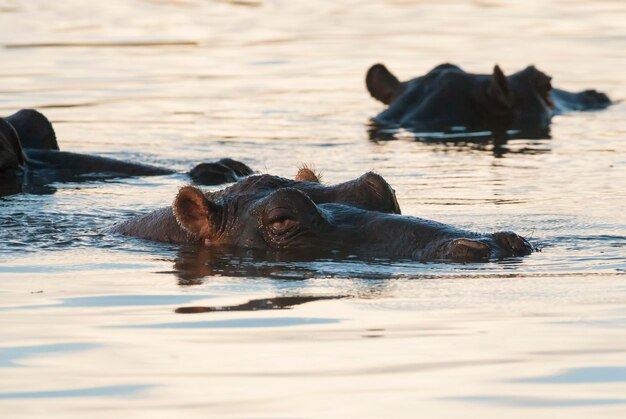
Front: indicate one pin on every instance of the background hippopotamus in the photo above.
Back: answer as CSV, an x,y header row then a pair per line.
x,y
28,145
279,215
449,99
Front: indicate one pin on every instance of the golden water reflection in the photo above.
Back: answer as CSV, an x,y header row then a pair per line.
x,y
95,325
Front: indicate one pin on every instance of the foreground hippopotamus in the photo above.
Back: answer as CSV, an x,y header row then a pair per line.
x,y
280,215
447,99
28,145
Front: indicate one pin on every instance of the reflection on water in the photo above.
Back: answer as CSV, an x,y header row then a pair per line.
x,y
391,368
193,263
115,301
239,323
493,142
108,391
277,303
42,182
9,355
103,44
91,324
123,300
583,375
531,402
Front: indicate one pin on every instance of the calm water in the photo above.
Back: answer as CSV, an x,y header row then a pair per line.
x,y
97,326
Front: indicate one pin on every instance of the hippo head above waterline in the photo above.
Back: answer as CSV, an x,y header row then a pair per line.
x,y
30,156
450,100
360,217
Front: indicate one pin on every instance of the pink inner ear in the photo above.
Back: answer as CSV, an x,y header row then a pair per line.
x,y
192,211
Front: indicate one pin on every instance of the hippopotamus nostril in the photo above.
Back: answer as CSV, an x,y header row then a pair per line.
x,y
466,249
512,244
594,99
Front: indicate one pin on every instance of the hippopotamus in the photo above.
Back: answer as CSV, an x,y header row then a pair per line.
x,y
28,146
302,216
450,100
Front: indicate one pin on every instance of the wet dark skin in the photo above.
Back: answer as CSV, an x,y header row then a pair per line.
x,y
274,214
29,153
369,191
447,99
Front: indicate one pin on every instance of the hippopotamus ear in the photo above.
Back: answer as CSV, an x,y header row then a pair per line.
x,y
381,84
34,129
542,83
195,213
306,174
498,92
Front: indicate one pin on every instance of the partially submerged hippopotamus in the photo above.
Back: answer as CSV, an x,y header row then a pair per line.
x,y
271,213
449,100
28,146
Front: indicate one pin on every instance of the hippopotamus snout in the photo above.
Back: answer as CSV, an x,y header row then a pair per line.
x,y
497,245
404,237
511,244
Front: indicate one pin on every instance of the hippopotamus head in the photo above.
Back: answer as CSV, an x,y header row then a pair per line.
x,y
222,171
28,141
449,99
24,130
369,192
361,217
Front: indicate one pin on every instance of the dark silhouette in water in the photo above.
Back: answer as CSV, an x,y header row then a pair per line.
x,y
449,101
30,159
275,303
304,218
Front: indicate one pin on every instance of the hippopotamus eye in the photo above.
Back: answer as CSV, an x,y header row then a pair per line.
x,y
280,220
283,225
288,218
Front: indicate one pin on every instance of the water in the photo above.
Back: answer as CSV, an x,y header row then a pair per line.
x,y
99,325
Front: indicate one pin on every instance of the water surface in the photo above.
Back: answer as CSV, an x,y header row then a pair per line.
x,y
99,325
